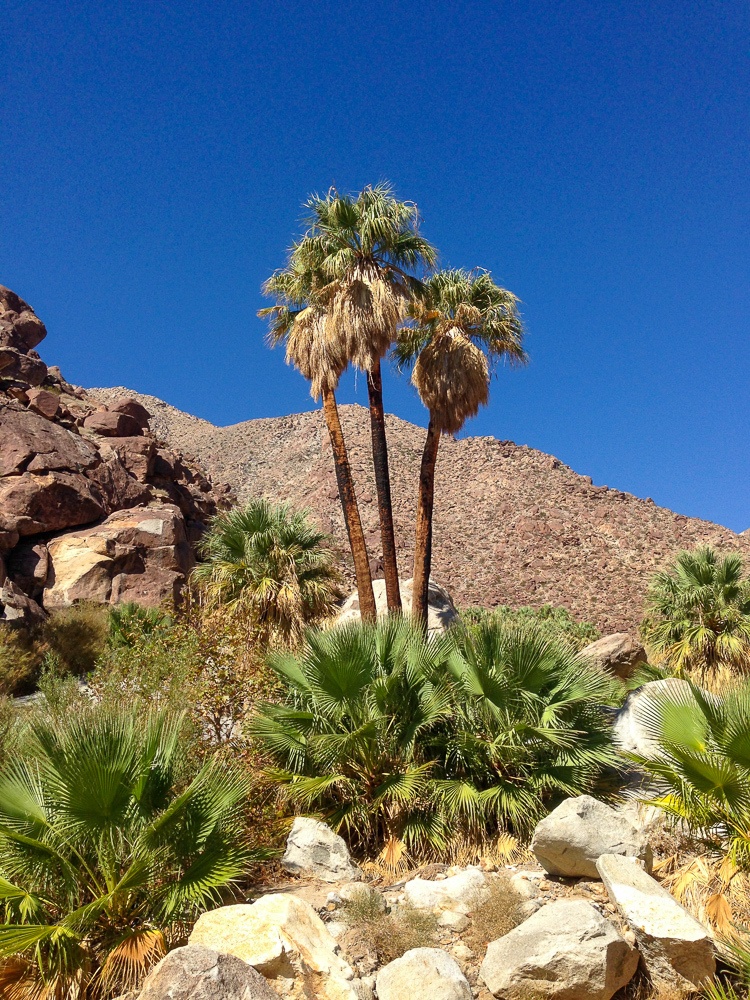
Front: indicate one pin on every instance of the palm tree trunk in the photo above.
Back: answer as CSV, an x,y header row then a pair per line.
x,y
383,486
349,505
423,533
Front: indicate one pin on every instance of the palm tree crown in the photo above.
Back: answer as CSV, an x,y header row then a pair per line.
x,y
698,612
272,563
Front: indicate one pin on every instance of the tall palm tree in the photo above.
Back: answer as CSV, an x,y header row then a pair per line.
x,y
463,323
272,563
368,249
300,321
698,612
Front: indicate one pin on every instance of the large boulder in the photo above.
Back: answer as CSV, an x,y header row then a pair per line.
x,y
31,443
198,973
139,555
567,950
282,937
109,424
49,502
441,612
20,328
618,654
677,950
312,848
630,727
423,974
461,892
574,835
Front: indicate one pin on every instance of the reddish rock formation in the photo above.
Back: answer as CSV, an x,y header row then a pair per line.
x,y
68,461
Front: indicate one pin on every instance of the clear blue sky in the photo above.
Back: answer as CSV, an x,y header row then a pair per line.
x,y
593,155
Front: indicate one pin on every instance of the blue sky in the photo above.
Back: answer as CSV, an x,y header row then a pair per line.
x,y
593,155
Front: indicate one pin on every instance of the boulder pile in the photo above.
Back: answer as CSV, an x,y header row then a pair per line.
x,y
92,505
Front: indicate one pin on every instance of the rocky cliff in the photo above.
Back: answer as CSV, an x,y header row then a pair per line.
x,y
512,525
93,505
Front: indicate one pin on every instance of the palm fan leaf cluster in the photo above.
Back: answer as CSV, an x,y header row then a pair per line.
x,y
271,563
399,738
698,613
110,842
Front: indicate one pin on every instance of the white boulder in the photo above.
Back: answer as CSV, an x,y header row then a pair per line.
x,y
423,974
631,728
198,973
676,948
461,892
567,951
312,848
441,611
574,835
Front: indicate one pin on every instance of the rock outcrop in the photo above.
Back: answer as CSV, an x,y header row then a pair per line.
x,y
571,839
567,950
677,950
312,848
92,505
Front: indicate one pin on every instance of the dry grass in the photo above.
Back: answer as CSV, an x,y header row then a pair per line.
x,y
494,916
389,935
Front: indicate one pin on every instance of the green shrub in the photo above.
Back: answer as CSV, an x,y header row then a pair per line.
x,y
77,636
129,622
698,613
554,622
111,842
398,738
19,660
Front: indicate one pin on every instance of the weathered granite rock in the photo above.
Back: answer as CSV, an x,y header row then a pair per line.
x,y
109,424
31,443
46,404
131,407
198,973
423,974
15,606
618,654
567,950
140,554
573,836
676,948
313,848
461,892
49,502
282,937
441,612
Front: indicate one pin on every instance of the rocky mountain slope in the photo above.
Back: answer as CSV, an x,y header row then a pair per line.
x,y
512,525
92,505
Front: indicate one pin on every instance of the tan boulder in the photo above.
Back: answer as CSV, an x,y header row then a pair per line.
x,y
282,937
618,654
441,611
138,554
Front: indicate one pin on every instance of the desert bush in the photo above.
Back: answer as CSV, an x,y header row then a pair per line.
x,y
111,842
129,622
698,614
494,915
19,660
270,564
400,738
554,622
77,636
389,935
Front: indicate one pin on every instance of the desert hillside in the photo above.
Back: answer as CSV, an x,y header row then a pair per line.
x,y
512,525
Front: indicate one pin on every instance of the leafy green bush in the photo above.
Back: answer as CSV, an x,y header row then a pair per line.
x,y
129,622
395,737
698,613
554,622
110,842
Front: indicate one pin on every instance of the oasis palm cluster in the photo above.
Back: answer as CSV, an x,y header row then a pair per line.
x,y
405,741
360,282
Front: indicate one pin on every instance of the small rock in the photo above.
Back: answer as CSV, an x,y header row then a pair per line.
x,y
463,890
313,848
453,921
462,951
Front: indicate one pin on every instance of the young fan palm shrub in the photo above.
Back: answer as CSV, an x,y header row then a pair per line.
x,y
271,563
462,323
368,249
109,845
300,321
399,737
698,613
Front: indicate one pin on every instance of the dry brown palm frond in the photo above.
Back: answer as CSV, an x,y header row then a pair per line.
x,y
314,352
452,378
365,310
130,960
714,890
20,980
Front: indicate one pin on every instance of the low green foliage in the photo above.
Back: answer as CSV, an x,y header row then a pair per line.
x,y
395,737
111,840
702,770
129,623
698,613
555,622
